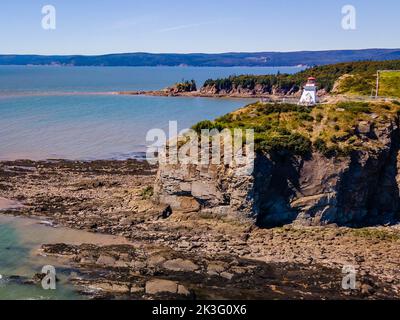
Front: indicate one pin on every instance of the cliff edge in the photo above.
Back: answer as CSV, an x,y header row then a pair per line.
x,y
335,163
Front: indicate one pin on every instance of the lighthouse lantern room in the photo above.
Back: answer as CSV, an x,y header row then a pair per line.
x,y
309,96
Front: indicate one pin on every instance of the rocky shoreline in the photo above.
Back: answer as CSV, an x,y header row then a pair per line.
x,y
205,94
188,255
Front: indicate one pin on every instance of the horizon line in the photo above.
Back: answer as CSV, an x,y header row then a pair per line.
x,y
191,53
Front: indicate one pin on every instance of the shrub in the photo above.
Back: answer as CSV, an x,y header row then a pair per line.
x,y
305,117
332,151
355,107
208,125
186,86
147,193
294,143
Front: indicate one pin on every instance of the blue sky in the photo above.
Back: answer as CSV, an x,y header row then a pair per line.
x,y
109,26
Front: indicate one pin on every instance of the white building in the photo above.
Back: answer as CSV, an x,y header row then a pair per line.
x,y
309,96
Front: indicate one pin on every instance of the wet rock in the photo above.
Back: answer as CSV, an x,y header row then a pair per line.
x,y
106,260
183,291
227,275
113,287
137,265
121,264
155,261
180,265
239,270
367,290
136,289
215,269
38,277
87,260
156,286
359,259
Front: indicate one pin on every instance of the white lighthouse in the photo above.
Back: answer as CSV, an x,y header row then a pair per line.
x,y
309,96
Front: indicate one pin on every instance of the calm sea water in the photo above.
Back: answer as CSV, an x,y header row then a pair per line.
x,y
18,264
20,239
65,112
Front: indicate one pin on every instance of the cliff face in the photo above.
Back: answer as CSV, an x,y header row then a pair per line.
x,y
356,190
257,90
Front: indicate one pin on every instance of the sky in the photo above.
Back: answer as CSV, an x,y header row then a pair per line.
x,y
183,26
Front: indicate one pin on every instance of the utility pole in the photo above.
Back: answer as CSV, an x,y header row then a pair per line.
x,y
377,85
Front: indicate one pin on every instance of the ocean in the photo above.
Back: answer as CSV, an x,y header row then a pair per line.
x,y
68,112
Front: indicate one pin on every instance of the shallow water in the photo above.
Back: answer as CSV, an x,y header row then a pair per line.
x,y
68,112
20,239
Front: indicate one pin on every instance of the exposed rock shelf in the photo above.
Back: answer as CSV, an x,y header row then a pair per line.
x,y
192,253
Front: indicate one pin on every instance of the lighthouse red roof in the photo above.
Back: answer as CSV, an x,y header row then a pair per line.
x,y
311,78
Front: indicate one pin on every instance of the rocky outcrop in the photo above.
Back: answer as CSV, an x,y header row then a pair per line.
x,y
218,189
358,190
258,91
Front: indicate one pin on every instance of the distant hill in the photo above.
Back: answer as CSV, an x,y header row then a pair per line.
x,y
260,59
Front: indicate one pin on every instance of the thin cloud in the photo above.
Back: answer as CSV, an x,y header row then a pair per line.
x,y
125,24
185,26
131,22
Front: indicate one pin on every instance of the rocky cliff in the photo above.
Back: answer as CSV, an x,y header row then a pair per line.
x,y
256,90
358,187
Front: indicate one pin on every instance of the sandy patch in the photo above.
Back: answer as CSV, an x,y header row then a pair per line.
x,y
6,204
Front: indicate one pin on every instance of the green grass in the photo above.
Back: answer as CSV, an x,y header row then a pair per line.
x,y
147,193
356,84
330,128
365,84
389,85
377,234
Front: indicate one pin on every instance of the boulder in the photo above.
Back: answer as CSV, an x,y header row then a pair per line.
x,y
106,260
156,286
215,269
155,261
180,265
182,290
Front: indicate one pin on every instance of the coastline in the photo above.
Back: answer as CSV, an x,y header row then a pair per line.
x,y
200,94
190,253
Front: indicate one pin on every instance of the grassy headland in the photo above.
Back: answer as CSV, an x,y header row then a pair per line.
x,y
389,84
333,129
